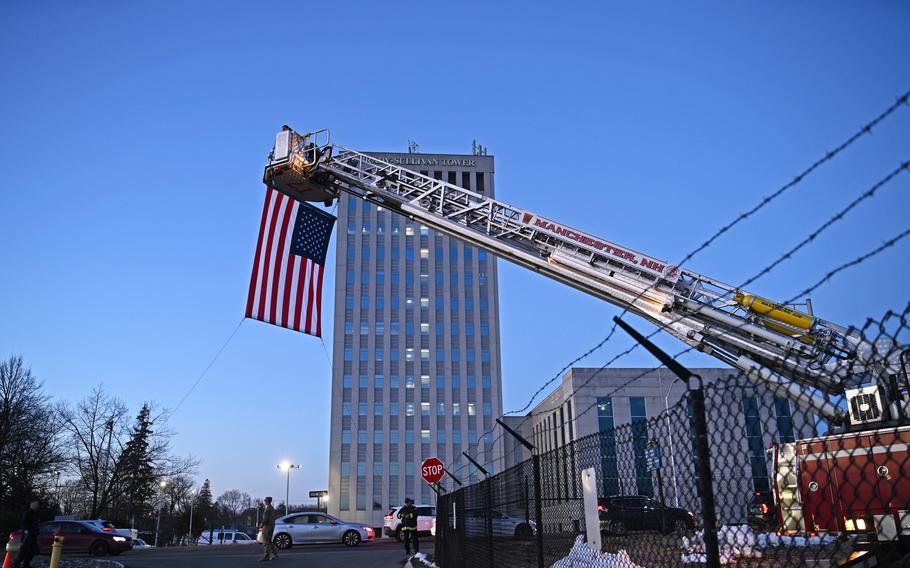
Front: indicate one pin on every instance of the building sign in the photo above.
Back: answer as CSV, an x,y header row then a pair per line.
x,y
646,263
652,457
429,161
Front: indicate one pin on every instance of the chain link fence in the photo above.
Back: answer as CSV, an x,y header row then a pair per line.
x,y
786,486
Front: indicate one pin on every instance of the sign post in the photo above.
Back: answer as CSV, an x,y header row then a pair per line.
x,y
318,495
432,470
652,460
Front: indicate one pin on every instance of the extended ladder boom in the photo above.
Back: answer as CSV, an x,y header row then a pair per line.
x,y
793,353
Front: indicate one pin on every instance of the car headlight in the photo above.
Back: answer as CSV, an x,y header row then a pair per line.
x,y
119,539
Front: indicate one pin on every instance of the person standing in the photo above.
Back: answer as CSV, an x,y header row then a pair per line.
x,y
29,536
408,516
269,551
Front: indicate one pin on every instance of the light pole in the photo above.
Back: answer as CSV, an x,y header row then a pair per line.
x,y
670,437
286,466
162,485
192,502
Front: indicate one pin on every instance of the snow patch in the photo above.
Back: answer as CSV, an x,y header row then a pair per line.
x,y
582,555
423,561
736,541
740,541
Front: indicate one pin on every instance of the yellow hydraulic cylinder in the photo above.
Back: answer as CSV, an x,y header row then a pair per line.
x,y
769,309
56,550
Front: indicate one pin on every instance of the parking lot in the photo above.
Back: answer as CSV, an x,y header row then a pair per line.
x,y
381,553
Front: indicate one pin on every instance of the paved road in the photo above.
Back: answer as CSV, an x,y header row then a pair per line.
x,y
379,554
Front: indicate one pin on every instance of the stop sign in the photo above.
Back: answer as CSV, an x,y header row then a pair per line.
x,y
432,470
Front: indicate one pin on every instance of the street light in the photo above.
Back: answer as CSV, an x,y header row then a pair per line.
x,y
286,466
670,436
162,485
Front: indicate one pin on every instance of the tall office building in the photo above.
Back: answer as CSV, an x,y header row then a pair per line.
x,y
416,362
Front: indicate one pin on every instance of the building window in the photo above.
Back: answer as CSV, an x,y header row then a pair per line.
x,y
393,438
487,409
441,436
409,409
408,436
456,436
487,382
440,409
361,436
425,355
424,436
609,466
347,381
472,409
784,420
377,408
393,408
756,445
639,443
362,409
346,408
424,408
377,437
456,409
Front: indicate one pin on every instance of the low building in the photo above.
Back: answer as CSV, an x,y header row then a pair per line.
x,y
632,409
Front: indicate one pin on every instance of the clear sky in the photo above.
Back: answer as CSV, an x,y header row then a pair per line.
x,y
134,135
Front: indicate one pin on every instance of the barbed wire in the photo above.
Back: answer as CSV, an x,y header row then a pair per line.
x,y
830,155
839,216
878,250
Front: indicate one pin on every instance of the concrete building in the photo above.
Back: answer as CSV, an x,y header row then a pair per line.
x,y
743,420
416,348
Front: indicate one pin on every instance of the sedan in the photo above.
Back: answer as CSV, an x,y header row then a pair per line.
x,y
78,537
620,514
310,528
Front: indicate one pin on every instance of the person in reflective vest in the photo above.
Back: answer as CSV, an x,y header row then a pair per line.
x,y
408,516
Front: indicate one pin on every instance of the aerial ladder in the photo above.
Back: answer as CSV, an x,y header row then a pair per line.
x,y
792,353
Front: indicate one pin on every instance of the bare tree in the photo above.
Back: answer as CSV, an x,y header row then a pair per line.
x,y
113,461
233,502
30,442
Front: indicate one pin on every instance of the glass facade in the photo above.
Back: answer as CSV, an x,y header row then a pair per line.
x,y
409,303
609,468
639,443
756,445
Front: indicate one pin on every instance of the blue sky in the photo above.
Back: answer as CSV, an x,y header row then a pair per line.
x,y
134,135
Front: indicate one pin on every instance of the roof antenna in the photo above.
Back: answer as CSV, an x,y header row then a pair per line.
x,y
413,147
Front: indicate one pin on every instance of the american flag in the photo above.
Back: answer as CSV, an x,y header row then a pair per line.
x,y
286,285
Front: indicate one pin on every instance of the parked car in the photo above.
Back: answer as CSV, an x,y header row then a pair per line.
x,y
426,514
139,544
225,536
761,512
620,514
502,524
78,537
308,528
108,526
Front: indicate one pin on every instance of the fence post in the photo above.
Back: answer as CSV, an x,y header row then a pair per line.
x,y
488,520
702,452
538,512
535,460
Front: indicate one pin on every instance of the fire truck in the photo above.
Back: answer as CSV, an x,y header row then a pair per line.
x,y
855,480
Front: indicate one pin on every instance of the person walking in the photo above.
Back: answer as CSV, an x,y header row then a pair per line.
x,y
29,545
408,516
269,550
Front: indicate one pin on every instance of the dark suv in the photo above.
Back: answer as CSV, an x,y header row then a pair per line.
x,y
78,536
620,514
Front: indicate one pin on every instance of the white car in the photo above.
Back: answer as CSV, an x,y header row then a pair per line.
x,y
502,525
225,536
139,544
426,516
307,528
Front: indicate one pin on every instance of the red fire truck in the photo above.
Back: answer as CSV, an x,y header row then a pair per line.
x,y
851,482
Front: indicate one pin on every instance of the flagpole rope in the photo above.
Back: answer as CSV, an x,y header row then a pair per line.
x,y
209,366
326,351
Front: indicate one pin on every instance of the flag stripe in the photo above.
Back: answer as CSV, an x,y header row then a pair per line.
x,y
252,294
279,256
286,287
267,265
319,269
